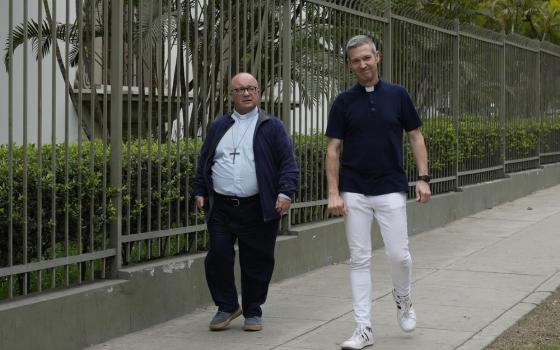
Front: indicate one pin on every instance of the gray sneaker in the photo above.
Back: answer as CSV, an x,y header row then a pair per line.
x,y
222,319
252,324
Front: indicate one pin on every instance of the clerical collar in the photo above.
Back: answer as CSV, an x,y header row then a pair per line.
x,y
247,115
373,87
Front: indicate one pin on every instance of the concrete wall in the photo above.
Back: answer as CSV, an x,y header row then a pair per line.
x,y
155,292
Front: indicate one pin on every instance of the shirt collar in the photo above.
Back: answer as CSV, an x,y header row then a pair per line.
x,y
371,88
252,113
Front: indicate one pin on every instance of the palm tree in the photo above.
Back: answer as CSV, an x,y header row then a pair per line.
x,y
216,38
545,20
78,50
464,10
235,37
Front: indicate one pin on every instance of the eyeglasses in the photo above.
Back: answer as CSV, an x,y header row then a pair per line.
x,y
242,90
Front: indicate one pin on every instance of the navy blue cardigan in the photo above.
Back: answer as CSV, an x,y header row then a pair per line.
x,y
274,162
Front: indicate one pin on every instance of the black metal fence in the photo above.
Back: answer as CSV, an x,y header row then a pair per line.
x,y
104,122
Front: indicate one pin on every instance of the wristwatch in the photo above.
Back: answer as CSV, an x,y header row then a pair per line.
x,y
425,178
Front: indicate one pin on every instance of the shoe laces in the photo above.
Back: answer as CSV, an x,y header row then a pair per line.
x,y
403,304
363,334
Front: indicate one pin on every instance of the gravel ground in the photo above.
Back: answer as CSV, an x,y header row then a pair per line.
x,y
538,330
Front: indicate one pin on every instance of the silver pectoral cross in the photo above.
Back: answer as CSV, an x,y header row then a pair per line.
x,y
234,153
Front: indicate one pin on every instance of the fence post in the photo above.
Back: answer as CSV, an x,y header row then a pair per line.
x,y
503,101
286,88
387,44
286,66
538,108
455,98
116,130
11,146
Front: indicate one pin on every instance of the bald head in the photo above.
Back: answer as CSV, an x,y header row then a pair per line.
x,y
243,77
245,94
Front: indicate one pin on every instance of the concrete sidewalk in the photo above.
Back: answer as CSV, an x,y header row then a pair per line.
x,y
473,278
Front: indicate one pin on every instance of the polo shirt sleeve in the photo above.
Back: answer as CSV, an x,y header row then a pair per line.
x,y
410,118
335,124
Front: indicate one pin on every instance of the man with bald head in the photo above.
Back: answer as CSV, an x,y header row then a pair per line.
x,y
245,181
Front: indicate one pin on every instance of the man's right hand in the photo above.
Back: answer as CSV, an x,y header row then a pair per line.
x,y
199,200
336,204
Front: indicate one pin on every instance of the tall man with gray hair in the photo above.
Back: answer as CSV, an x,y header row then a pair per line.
x,y
372,115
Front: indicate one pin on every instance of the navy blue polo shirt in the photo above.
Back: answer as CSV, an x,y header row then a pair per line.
x,y
370,125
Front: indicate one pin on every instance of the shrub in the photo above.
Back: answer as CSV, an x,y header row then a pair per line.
x,y
156,180
53,203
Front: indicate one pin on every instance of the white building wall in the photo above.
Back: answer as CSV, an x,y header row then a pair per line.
x,y
32,82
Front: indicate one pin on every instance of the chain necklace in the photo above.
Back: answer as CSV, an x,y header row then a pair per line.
x,y
237,143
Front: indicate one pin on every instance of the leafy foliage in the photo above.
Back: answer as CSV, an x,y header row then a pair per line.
x,y
480,141
63,31
69,207
73,198
53,203
538,19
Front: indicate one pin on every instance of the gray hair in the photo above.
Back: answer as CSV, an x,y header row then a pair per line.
x,y
357,41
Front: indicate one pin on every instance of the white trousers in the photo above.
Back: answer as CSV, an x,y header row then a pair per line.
x,y
390,212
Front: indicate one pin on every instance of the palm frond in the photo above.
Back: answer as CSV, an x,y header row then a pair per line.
x,y
154,26
33,27
18,38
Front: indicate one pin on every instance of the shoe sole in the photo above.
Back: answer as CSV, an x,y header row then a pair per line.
x,y
351,348
408,330
252,328
222,325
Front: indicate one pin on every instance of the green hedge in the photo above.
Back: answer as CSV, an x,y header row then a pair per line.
x,y
479,141
550,135
74,205
40,179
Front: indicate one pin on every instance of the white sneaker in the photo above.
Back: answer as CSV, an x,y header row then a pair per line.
x,y
405,312
362,337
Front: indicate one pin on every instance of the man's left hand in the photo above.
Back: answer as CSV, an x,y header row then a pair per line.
x,y
423,192
283,205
